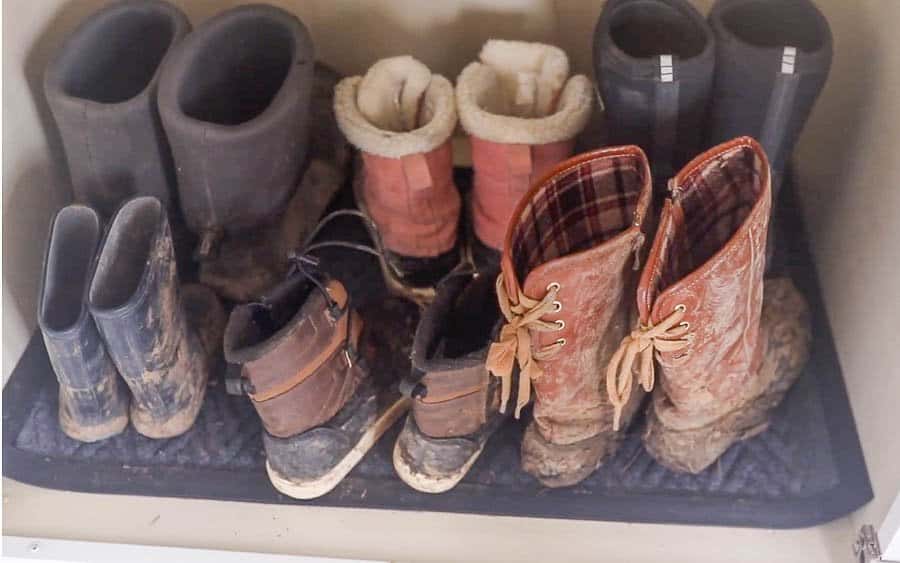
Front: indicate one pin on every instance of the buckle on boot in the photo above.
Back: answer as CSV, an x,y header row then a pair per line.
x,y
235,383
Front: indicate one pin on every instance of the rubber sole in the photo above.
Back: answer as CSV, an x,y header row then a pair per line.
x,y
314,488
428,483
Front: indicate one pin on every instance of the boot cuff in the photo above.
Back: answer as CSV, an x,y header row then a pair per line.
x,y
521,92
398,108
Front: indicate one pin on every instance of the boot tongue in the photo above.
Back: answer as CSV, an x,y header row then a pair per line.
x,y
531,75
391,93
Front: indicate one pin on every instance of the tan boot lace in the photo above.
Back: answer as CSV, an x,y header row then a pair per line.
x,y
668,336
514,344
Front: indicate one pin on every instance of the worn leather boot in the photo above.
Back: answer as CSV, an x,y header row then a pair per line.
x,y
568,267
654,62
298,354
401,116
93,400
455,405
728,346
772,60
164,353
234,98
522,111
101,88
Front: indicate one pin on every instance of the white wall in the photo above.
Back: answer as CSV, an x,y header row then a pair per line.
x,y
848,157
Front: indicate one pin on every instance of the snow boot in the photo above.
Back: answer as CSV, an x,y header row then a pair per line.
x,y
297,354
772,61
400,116
568,266
93,400
101,88
234,98
522,111
142,314
728,346
653,62
455,402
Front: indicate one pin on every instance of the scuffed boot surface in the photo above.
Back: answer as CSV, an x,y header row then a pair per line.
x,y
312,463
564,465
785,333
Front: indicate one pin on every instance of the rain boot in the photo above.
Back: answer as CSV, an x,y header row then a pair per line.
x,y
653,62
93,400
234,98
568,265
101,88
522,111
297,352
455,402
772,60
140,310
401,116
728,345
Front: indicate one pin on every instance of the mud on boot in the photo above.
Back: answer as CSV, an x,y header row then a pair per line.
x,y
455,402
568,269
401,116
139,308
93,400
297,356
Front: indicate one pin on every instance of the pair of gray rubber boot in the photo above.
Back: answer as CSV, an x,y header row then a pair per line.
x,y
114,307
219,116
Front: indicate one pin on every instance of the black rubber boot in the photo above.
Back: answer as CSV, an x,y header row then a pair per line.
x,y
138,305
101,88
93,400
653,62
773,57
234,99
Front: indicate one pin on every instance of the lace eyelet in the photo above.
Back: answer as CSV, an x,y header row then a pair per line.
x,y
553,286
680,308
561,341
685,325
557,307
561,324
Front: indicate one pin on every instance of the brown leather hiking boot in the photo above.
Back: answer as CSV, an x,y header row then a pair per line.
x,y
522,110
454,402
401,116
298,353
567,269
728,345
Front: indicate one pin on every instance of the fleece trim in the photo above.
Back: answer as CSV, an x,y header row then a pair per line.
x,y
398,108
520,92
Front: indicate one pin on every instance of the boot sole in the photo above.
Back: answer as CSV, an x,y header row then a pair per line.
x,y
314,488
96,433
427,483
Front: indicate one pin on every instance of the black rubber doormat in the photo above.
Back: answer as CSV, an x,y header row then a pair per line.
x,y
806,469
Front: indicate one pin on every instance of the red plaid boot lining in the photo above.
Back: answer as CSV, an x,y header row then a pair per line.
x,y
716,200
576,210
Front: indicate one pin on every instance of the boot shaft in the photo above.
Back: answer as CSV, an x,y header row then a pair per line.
x,y
522,111
401,117
707,261
573,241
298,352
101,89
654,62
454,396
234,99
773,59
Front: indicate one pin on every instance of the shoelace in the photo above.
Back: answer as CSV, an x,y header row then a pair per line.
x,y
668,336
514,344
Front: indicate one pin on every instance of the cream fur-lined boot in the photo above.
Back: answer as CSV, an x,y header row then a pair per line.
x,y
401,116
522,111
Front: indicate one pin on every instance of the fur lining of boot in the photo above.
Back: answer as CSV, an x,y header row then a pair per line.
x,y
521,92
398,108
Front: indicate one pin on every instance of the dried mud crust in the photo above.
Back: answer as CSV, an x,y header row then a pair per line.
x,y
785,331
564,465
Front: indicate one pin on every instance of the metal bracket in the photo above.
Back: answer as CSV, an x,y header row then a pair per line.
x,y
866,547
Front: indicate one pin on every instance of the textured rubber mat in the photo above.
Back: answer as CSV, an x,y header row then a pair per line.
x,y
806,469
